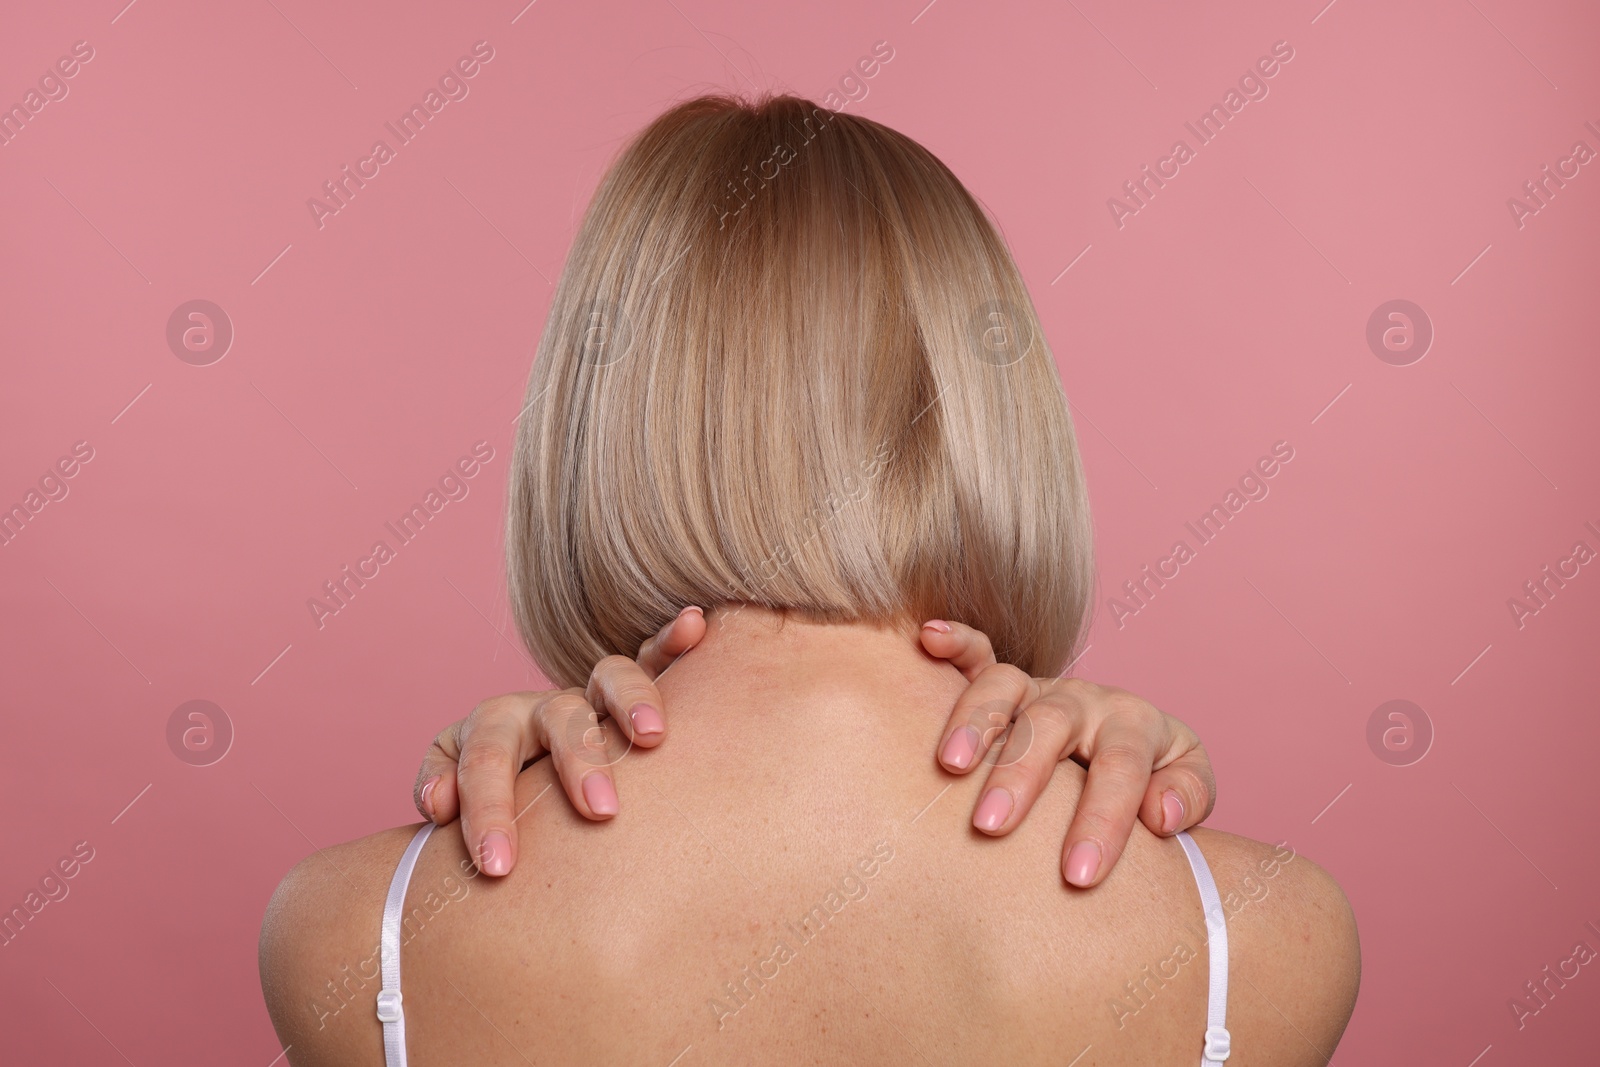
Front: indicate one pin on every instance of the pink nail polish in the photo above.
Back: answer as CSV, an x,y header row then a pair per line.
x,y
1171,811
1083,862
427,797
937,625
496,854
993,810
959,750
646,720
600,793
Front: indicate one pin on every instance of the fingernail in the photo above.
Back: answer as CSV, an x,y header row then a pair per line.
x,y
495,853
937,625
688,609
427,796
993,810
1171,811
600,793
1083,861
646,720
959,750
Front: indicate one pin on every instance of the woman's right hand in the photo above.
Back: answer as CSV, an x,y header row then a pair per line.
x,y
1143,764
472,765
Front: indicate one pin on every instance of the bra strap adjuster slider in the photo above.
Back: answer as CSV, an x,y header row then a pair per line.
x,y
389,1006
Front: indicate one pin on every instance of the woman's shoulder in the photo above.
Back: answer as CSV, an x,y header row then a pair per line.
x,y
1294,955
318,952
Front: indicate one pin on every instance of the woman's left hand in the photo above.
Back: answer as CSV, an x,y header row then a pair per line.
x,y
1142,763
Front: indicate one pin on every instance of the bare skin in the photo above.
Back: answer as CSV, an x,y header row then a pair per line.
x,y
800,882
1142,762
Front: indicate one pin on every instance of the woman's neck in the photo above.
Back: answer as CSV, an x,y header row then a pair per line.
x,y
753,650
749,633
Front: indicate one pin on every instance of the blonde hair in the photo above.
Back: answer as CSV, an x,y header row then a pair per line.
x,y
790,362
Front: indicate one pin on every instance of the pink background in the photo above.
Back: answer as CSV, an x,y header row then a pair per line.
x,y
1228,314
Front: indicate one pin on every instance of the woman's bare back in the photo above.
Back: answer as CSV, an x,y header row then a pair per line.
x,y
794,879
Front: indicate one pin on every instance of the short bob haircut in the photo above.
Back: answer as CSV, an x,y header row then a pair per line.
x,y
790,362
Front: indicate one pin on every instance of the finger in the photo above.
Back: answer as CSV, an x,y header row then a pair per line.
x,y
435,790
492,745
1180,795
1120,761
583,747
440,797
1041,736
968,650
619,687
672,640
982,713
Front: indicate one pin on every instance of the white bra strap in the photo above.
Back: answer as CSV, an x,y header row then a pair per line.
x,y
1217,1040
390,1013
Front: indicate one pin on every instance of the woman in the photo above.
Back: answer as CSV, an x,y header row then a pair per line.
x,y
791,373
